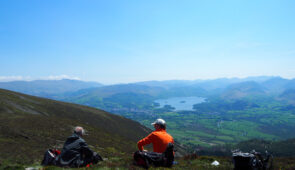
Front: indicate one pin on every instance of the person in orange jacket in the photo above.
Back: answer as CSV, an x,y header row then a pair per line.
x,y
159,138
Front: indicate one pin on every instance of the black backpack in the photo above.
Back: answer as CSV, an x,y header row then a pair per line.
x,y
145,159
49,157
252,161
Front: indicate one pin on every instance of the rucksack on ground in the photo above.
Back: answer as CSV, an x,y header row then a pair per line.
x,y
252,161
49,157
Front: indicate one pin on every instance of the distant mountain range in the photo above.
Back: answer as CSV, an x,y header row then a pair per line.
x,y
142,94
210,84
48,88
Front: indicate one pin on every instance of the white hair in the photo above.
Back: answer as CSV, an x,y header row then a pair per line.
x,y
79,130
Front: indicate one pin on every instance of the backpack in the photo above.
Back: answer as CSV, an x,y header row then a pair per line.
x,y
145,159
251,161
96,158
49,157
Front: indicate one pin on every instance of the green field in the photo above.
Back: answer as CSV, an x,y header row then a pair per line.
x,y
221,122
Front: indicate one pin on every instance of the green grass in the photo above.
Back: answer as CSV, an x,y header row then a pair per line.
x,y
188,162
202,162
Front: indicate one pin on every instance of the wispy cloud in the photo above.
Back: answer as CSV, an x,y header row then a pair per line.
x,y
28,78
60,77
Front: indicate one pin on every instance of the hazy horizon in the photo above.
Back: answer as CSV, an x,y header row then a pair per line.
x,y
65,77
129,41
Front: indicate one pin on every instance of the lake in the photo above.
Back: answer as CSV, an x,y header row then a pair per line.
x,y
181,103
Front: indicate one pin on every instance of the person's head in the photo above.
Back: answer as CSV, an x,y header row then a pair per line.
x,y
159,124
79,131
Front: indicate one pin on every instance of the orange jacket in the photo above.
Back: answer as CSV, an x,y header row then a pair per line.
x,y
159,139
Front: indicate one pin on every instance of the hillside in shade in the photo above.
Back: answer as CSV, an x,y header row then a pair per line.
x,y
30,125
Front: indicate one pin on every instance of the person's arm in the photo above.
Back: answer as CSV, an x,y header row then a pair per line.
x,y
85,149
145,141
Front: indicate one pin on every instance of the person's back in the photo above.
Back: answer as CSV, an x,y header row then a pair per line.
x,y
159,138
76,152
73,150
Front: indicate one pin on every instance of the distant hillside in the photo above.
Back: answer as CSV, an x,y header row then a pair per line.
x,y
47,88
128,97
275,85
290,84
115,97
210,84
166,83
108,91
244,89
289,96
30,125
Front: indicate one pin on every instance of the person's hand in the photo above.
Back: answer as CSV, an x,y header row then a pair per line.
x,y
144,150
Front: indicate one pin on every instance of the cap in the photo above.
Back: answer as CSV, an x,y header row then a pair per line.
x,y
159,122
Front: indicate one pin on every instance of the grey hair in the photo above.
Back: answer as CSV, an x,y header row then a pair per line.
x,y
79,130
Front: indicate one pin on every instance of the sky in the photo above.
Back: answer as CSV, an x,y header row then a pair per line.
x,y
121,41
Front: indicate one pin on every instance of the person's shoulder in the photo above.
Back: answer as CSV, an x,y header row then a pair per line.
x,y
81,139
159,132
168,134
154,133
73,137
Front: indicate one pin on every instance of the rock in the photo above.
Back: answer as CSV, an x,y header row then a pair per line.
x,y
215,163
31,168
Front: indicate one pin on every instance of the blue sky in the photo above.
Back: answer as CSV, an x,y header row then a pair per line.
x,y
130,40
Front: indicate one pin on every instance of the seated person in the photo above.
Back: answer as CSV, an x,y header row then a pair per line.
x,y
75,152
162,145
159,138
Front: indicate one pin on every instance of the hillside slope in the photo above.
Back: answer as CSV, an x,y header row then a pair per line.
x,y
289,96
242,90
30,125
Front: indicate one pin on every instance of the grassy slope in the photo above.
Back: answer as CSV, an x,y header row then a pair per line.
x,y
30,125
188,162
